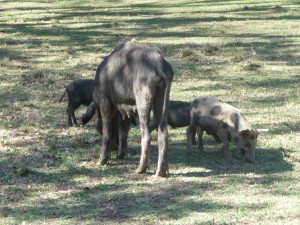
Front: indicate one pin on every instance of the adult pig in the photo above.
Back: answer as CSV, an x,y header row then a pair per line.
x,y
131,81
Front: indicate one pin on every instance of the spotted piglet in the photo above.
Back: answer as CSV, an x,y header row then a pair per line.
x,y
214,116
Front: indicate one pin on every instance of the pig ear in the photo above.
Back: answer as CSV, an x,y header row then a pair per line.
x,y
252,134
245,133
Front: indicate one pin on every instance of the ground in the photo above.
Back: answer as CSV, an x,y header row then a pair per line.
x,y
245,53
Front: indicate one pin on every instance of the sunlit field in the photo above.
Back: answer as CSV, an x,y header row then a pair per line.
x,y
246,53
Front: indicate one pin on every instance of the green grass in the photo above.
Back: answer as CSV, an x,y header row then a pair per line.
x,y
243,52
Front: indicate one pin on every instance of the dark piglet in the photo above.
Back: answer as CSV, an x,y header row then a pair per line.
x,y
179,116
80,92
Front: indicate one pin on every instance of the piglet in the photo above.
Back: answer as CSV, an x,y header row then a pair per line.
x,y
214,116
80,92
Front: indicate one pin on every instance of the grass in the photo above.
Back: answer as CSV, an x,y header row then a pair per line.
x,y
245,53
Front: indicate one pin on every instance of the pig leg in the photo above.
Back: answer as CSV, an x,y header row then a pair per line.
x,y
115,125
194,137
123,136
69,114
98,121
105,112
152,124
160,104
225,148
70,111
73,116
190,131
225,151
69,118
143,104
200,139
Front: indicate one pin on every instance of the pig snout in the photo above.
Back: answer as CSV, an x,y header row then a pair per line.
x,y
250,157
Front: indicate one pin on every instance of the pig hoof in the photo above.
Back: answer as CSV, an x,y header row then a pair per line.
x,y
102,162
250,161
121,156
141,170
161,173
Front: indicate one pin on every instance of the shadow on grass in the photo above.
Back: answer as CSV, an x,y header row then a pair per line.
x,y
148,20
276,82
119,201
124,196
84,147
268,161
108,203
11,94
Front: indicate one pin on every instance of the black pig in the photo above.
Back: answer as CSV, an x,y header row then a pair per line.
x,y
80,92
179,116
130,81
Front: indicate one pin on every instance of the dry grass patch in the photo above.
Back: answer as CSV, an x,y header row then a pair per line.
x,y
210,49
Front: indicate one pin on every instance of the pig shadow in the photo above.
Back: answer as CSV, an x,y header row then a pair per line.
x,y
268,160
